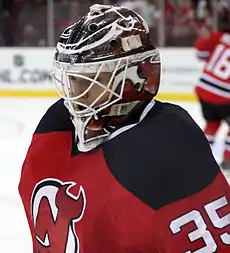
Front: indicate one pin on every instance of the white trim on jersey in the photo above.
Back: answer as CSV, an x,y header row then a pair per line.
x,y
125,128
147,109
216,81
202,54
227,146
214,90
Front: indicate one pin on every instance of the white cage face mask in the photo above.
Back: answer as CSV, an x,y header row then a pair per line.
x,y
90,88
94,92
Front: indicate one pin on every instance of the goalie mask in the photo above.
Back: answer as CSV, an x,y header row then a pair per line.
x,y
103,67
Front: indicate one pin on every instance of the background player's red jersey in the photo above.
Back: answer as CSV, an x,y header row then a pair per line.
x,y
214,84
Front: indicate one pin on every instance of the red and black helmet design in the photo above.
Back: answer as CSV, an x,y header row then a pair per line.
x,y
110,39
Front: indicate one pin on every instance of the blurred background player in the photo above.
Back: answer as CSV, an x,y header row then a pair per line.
x,y
111,169
213,88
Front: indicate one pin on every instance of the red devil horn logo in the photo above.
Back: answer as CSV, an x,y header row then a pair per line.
x,y
55,212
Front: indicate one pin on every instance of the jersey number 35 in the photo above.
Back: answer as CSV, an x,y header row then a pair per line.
x,y
202,231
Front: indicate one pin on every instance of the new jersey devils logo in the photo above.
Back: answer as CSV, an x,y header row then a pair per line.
x,y
55,211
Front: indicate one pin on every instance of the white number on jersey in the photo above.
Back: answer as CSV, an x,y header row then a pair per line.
x,y
219,222
202,231
219,63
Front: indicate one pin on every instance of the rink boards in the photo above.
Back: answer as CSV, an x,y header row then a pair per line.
x,y
26,72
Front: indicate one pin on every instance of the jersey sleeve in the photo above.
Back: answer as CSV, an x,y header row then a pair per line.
x,y
205,45
198,223
197,219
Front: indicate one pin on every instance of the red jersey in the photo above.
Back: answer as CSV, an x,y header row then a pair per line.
x,y
214,84
152,188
